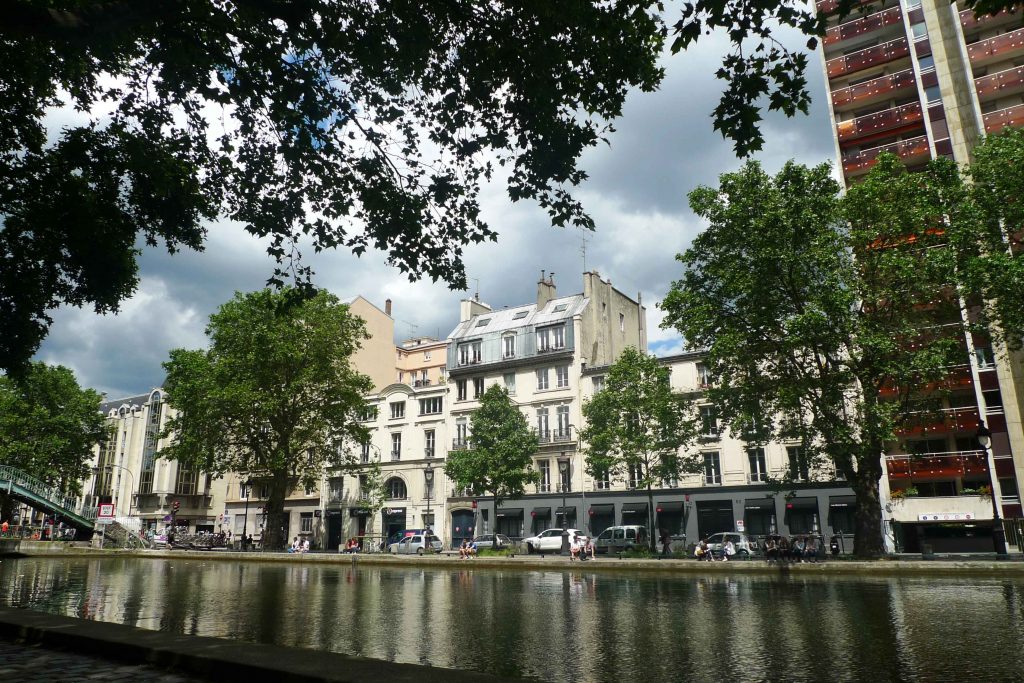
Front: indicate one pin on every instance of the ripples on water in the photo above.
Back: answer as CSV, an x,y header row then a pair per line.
x,y
560,626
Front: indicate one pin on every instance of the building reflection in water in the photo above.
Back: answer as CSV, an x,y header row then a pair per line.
x,y
564,626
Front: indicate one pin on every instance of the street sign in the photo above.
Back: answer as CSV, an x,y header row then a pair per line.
x,y
106,512
104,520
740,525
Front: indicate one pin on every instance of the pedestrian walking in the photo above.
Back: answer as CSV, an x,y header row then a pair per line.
x,y
666,543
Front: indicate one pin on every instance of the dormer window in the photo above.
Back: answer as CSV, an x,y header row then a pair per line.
x,y
483,322
521,314
508,346
550,338
469,353
559,308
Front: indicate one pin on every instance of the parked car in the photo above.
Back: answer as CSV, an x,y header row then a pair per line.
x,y
492,541
399,535
417,544
618,538
745,546
549,541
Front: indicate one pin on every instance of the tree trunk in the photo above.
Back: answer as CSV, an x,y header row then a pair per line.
x,y
867,538
275,536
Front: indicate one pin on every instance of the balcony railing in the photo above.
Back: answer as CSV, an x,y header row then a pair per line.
x,y
396,455
888,120
1011,116
863,26
882,88
830,6
460,443
1000,84
907,150
872,56
996,48
941,422
969,21
936,465
428,453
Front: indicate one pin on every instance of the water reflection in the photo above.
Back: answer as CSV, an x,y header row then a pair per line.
x,y
560,626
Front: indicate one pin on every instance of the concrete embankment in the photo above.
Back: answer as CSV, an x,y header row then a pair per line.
x,y
885,567
213,658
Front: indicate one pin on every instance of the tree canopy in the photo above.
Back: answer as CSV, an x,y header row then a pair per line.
x,y
833,320
499,456
342,123
637,427
49,425
274,397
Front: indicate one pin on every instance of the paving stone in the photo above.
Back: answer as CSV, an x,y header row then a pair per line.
x,y
34,664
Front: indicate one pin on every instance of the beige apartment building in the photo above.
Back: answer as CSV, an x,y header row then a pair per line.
x,y
420,361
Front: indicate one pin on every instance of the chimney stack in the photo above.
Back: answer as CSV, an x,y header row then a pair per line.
x,y
545,290
387,307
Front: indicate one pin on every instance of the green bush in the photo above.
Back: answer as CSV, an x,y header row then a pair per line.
x,y
488,552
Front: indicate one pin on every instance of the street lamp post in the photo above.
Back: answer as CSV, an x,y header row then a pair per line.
x,y
984,437
563,469
428,478
245,518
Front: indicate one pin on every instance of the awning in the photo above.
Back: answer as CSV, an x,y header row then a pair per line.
x,y
670,506
633,508
358,512
541,512
510,512
602,509
842,501
759,504
565,510
802,504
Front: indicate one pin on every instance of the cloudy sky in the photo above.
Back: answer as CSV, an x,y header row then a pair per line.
x,y
663,148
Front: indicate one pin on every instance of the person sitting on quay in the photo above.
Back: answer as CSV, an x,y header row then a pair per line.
x,y
464,550
771,549
783,553
811,549
304,548
588,548
574,548
295,546
352,547
728,550
4,528
702,552
798,549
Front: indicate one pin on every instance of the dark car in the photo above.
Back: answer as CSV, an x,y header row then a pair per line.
x,y
495,541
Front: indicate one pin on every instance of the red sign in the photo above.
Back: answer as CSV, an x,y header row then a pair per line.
x,y
657,509
474,505
533,513
106,511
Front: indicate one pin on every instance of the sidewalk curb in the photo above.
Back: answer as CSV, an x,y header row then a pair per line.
x,y
214,658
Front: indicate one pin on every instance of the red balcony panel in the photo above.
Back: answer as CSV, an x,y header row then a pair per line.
x,y
830,6
1000,84
909,151
863,59
970,22
938,466
996,48
996,424
1012,511
873,124
863,26
1012,117
875,89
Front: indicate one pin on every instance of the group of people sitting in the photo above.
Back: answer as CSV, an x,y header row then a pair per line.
x,y
299,546
703,551
798,549
467,550
581,548
351,546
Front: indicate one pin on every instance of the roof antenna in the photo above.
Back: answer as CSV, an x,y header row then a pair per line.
x,y
477,281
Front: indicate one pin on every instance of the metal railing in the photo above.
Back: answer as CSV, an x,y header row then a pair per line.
x,y
37,487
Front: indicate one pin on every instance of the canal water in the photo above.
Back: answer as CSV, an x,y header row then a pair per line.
x,y
559,626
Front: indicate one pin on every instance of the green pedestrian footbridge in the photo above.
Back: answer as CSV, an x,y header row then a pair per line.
x,y
41,496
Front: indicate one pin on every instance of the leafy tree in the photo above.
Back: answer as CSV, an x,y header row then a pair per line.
x,y
831,320
273,397
637,425
372,494
352,124
499,457
48,427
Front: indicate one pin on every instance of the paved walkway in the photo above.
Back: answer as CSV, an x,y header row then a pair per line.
x,y
33,663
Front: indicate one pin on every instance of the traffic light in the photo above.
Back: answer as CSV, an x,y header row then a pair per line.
x,y
175,506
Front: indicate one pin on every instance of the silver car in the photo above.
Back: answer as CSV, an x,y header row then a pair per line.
x,y
417,544
745,546
492,541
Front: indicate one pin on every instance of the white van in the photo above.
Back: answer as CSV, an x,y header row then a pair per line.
x,y
618,538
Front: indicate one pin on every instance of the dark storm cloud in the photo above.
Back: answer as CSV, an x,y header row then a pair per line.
x,y
663,148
